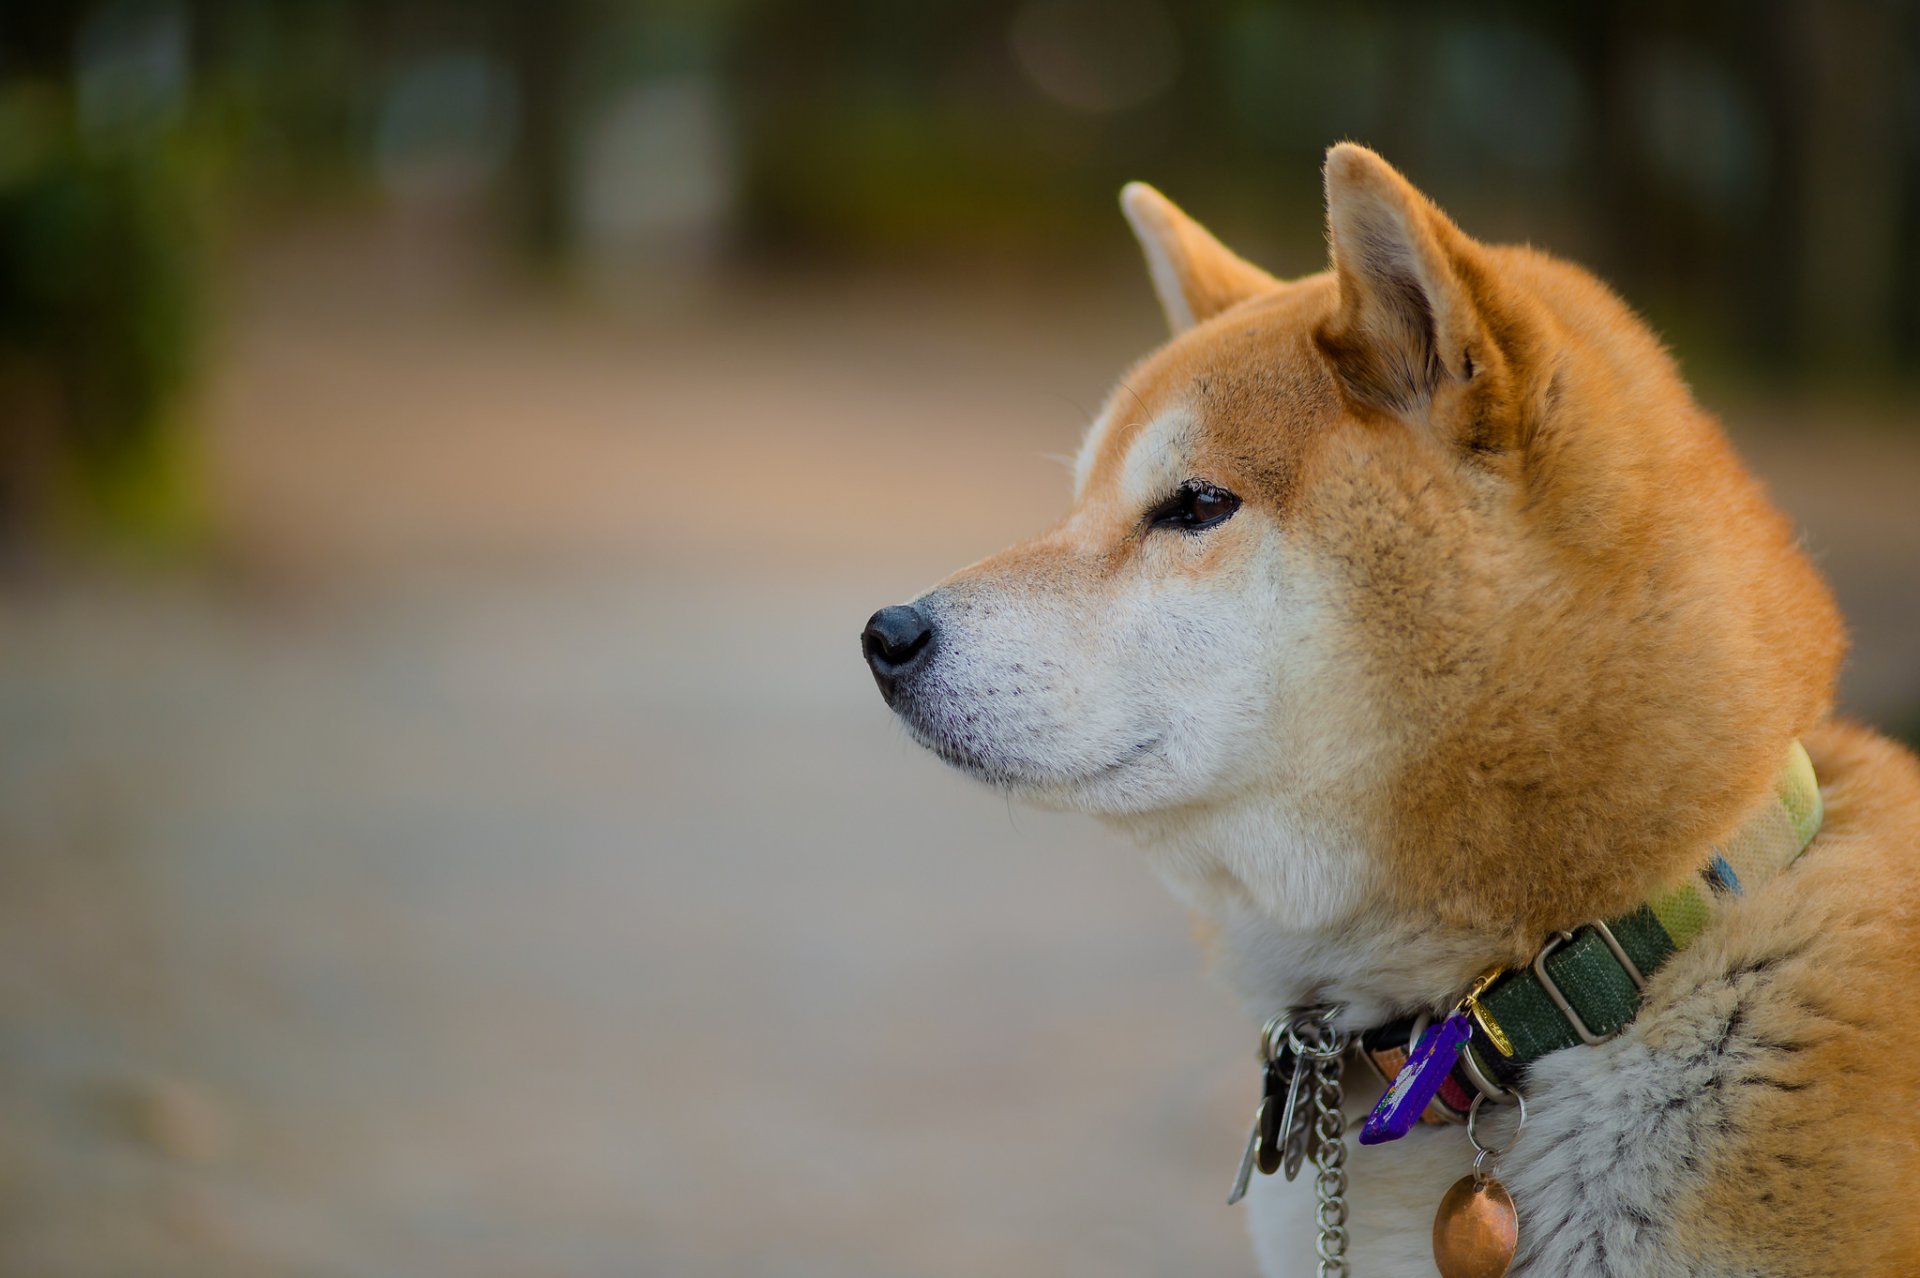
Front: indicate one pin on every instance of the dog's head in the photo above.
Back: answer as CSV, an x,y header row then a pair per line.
x,y
1379,579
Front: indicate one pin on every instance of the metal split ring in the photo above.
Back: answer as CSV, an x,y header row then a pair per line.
x,y
1273,1036
1487,1151
1326,1045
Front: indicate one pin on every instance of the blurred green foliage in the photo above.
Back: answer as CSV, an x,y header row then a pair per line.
x,y
105,213
101,317
1749,172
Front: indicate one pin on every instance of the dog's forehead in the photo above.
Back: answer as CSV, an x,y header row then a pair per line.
x,y
1234,399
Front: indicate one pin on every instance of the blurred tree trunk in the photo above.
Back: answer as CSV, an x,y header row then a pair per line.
x,y
543,45
1772,280
1624,191
1905,268
1849,167
41,42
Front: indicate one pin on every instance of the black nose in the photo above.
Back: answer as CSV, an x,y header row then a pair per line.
x,y
896,640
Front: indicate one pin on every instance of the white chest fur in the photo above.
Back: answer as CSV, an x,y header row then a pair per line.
x,y
1392,1191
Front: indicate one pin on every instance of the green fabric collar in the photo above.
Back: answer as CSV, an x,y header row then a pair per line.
x,y
1584,986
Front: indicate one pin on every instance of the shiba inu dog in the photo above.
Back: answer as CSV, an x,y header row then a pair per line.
x,y
1442,655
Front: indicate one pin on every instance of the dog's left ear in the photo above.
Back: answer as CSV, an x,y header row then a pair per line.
x,y
1195,275
1410,332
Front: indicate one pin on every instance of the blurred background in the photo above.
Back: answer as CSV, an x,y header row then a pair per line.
x,y
447,452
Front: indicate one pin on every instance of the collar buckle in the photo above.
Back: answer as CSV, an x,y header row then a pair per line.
x,y
1552,988
1627,964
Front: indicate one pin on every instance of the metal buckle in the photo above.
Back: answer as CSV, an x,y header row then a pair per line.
x,y
1547,983
1631,968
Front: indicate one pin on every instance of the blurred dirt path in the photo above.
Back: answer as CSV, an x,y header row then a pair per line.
x,y
501,863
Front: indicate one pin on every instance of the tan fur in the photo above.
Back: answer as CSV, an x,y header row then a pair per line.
x,y
1196,276
1586,639
1821,1175
1634,635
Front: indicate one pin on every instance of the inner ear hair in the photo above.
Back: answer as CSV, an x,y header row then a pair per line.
x,y
1405,318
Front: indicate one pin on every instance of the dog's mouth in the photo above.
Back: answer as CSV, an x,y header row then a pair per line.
x,y
992,764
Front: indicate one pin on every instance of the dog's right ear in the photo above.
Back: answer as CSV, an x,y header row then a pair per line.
x,y
1407,319
1195,275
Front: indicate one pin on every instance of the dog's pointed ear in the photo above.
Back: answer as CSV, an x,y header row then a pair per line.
x,y
1195,275
1408,324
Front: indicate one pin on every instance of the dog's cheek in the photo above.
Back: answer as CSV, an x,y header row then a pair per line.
x,y
1197,671
1293,700
1029,675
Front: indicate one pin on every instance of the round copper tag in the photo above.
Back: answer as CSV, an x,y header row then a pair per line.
x,y
1476,1230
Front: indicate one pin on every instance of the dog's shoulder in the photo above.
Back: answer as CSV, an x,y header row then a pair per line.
x,y
1757,1119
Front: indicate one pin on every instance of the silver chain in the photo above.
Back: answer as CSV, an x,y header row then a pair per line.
x,y
1330,1157
1320,1048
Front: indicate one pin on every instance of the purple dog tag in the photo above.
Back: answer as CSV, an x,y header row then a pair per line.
x,y
1427,1067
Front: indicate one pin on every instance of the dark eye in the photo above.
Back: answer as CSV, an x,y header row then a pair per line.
x,y
1194,505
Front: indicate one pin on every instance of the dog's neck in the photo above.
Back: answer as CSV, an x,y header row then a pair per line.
x,y
1371,964
1294,892
1304,916
1291,889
